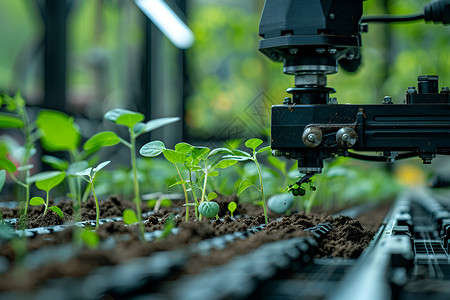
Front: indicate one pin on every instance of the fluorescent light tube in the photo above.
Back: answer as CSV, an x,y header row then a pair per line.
x,y
168,22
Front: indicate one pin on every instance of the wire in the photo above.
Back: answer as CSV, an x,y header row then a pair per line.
x,y
393,19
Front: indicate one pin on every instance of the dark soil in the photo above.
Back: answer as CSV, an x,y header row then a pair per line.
x,y
111,207
348,238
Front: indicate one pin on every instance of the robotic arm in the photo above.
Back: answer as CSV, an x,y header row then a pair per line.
x,y
313,37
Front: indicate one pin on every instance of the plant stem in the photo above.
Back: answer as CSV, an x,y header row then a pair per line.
x,y
262,189
185,193
46,203
204,188
193,195
137,197
97,216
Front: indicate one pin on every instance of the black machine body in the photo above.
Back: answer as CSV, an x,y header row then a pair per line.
x,y
312,38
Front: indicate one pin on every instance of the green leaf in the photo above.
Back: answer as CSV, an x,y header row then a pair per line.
x,y
10,121
213,174
101,166
77,167
124,117
2,179
154,124
173,156
6,164
223,164
86,172
220,151
25,167
152,149
212,196
264,149
238,152
130,120
55,162
57,210
47,180
208,209
59,133
35,201
244,185
199,152
237,158
253,143
232,207
90,238
102,139
183,148
178,183
129,216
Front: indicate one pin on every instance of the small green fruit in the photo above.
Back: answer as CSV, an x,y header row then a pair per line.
x,y
280,203
208,209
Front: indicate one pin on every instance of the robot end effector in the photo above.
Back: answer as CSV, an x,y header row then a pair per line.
x,y
312,38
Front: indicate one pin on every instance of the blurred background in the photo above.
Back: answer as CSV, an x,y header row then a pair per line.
x,y
86,57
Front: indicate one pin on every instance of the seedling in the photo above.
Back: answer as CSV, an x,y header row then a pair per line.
x,y
197,161
232,207
46,181
129,217
89,175
239,155
90,238
209,208
133,121
17,117
36,201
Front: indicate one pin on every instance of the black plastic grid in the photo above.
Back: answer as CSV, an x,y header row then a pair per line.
x,y
313,281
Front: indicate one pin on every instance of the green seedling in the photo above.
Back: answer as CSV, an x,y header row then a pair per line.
x,y
129,217
239,155
89,175
200,162
36,201
232,207
46,181
209,208
133,121
90,238
59,132
17,117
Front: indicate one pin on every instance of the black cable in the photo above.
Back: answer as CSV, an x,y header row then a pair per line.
x,y
393,19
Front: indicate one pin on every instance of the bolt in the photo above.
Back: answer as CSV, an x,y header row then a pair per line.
x,y
332,51
332,16
387,100
293,51
445,89
345,137
350,56
287,101
411,90
311,138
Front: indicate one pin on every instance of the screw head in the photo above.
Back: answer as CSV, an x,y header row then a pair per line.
x,y
293,51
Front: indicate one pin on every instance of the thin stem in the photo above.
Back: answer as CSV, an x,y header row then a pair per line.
x,y
137,196
185,193
97,217
204,189
193,195
46,203
262,188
